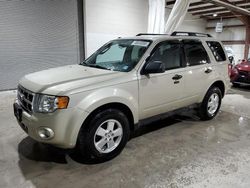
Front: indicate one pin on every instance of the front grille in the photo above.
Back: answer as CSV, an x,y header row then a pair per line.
x,y
25,98
243,73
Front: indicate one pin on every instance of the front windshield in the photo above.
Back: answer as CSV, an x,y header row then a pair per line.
x,y
118,55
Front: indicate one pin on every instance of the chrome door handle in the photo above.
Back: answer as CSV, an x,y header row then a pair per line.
x,y
177,77
208,70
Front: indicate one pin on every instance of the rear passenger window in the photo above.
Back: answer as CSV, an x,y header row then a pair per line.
x,y
195,53
169,53
217,50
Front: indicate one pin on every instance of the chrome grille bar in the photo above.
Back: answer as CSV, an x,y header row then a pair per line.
x,y
25,98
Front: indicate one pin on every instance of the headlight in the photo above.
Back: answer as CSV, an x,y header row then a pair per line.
x,y
235,71
48,103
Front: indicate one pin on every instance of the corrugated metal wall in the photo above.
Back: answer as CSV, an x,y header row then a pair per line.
x,y
36,35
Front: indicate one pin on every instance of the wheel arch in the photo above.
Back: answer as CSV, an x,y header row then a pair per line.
x,y
115,105
220,84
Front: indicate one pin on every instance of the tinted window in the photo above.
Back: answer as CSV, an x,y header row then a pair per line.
x,y
195,53
137,52
168,53
217,50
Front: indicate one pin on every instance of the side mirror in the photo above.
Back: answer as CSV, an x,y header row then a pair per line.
x,y
153,67
231,58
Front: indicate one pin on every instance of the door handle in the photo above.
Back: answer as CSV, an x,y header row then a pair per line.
x,y
208,70
177,77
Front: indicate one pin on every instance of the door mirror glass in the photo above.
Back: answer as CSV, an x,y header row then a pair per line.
x,y
153,67
231,59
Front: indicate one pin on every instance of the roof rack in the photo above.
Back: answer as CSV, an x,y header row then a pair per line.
x,y
177,33
182,33
140,34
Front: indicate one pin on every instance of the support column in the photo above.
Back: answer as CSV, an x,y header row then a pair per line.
x,y
81,29
247,42
246,21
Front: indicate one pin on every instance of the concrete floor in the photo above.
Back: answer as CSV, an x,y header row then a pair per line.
x,y
180,151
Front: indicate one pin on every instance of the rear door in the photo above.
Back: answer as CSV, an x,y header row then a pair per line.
x,y
199,71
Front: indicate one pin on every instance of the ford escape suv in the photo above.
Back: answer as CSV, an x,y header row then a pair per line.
x,y
94,106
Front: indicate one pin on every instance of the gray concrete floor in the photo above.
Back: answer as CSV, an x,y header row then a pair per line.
x,y
180,151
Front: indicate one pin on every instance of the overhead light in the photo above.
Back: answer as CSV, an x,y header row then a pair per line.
x,y
215,14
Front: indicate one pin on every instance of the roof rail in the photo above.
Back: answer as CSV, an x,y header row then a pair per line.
x,y
141,34
183,33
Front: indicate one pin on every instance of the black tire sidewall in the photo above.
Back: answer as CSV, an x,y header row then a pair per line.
x,y
205,115
88,133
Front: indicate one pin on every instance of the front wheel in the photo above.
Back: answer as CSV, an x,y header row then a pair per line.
x,y
104,136
210,104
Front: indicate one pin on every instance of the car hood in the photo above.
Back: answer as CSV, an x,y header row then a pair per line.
x,y
61,79
243,67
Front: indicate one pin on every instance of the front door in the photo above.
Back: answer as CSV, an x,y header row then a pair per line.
x,y
159,93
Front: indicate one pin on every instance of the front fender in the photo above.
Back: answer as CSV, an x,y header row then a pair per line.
x,y
110,95
96,99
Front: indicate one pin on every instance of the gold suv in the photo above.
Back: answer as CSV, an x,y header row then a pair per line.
x,y
93,106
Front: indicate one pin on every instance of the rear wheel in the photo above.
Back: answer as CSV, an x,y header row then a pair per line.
x,y
210,104
104,136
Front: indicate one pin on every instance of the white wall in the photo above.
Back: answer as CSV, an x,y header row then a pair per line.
x,y
235,33
108,19
238,51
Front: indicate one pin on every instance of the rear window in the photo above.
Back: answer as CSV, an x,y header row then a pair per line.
x,y
195,53
217,50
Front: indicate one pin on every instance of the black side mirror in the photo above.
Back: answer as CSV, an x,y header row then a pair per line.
x,y
231,58
153,67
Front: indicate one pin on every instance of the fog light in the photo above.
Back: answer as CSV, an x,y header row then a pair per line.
x,y
45,133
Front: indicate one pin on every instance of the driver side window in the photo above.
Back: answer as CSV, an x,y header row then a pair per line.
x,y
169,53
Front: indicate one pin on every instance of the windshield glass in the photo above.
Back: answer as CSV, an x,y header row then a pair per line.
x,y
118,55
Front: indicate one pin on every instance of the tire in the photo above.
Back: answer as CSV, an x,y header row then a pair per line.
x,y
210,104
95,133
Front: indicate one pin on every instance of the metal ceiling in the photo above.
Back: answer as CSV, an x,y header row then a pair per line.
x,y
207,9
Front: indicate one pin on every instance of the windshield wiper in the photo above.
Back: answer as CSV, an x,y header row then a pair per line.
x,y
93,65
84,63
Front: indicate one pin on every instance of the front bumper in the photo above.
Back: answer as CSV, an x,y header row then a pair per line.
x,y
65,125
241,79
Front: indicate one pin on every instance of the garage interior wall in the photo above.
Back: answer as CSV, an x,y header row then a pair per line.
x,y
36,35
230,34
195,24
110,19
191,23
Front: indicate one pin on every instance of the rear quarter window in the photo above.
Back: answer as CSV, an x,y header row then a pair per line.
x,y
217,50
